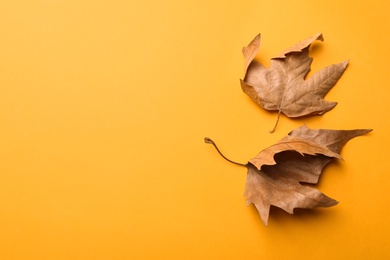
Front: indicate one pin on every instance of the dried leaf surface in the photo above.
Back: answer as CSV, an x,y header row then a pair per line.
x,y
301,45
332,139
264,189
309,167
290,143
282,87
276,179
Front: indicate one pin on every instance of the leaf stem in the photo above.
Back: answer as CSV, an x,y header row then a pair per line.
x,y
277,121
209,141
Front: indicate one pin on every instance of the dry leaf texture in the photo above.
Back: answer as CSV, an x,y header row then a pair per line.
x,y
282,87
264,189
290,143
275,174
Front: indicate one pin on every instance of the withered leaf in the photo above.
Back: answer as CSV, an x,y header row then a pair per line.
x,y
275,175
264,189
282,87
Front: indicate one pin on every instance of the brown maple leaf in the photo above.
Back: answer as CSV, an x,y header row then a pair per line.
x,y
276,173
282,87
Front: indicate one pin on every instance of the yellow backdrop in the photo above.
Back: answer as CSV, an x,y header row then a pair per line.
x,y
104,106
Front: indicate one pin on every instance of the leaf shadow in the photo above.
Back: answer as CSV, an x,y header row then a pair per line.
x,y
301,216
315,48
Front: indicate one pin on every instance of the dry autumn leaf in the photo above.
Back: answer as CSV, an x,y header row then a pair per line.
x,y
276,173
282,87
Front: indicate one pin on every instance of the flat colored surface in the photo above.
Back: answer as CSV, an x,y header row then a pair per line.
x,y
104,106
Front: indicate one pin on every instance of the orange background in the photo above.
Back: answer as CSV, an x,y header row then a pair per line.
x,y
104,106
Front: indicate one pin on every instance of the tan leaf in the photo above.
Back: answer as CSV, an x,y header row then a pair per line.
x,y
277,180
265,189
332,139
289,143
276,173
282,87
301,45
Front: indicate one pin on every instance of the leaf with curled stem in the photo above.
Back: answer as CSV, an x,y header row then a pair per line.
x,y
276,174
